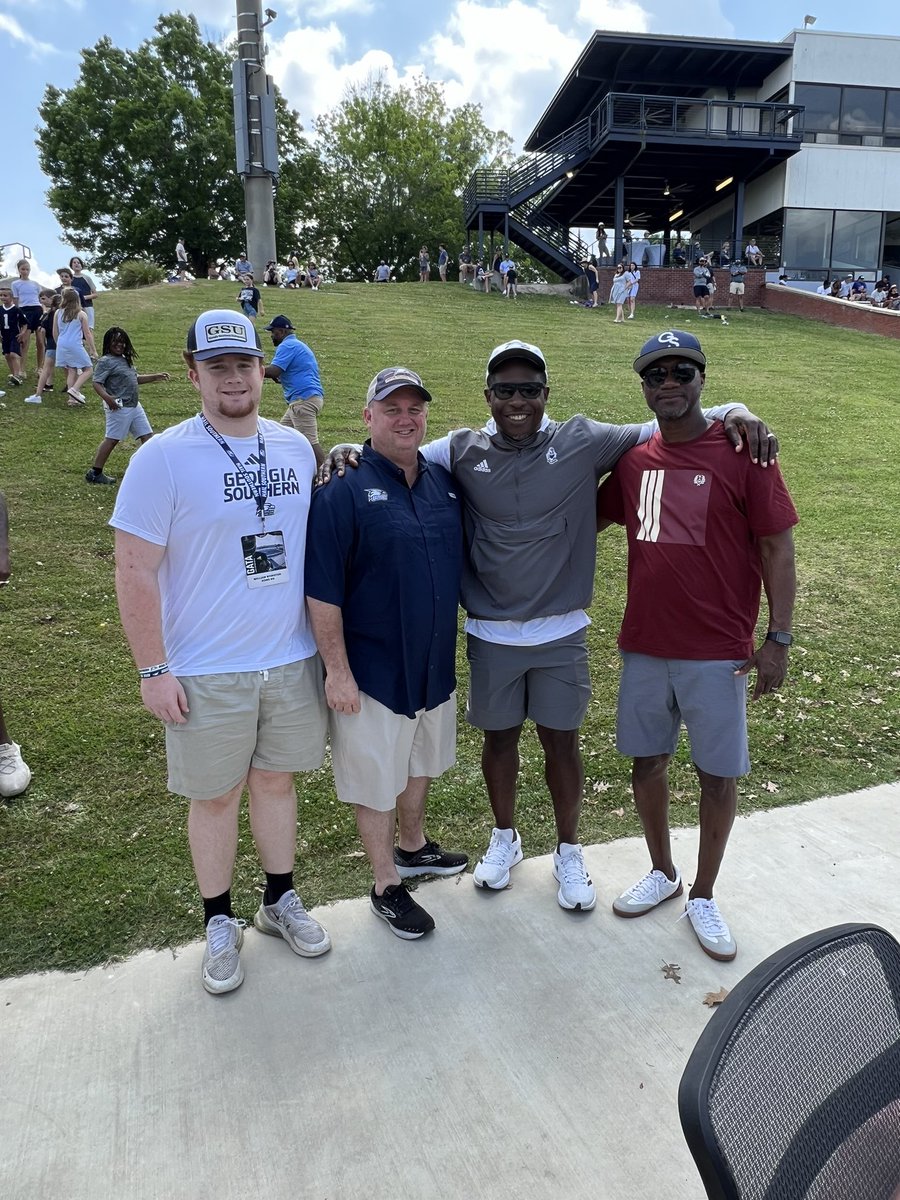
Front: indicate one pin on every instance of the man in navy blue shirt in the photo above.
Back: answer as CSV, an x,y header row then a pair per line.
x,y
295,368
383,563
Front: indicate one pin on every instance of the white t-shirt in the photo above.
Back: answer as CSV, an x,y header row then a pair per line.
x,y
183,492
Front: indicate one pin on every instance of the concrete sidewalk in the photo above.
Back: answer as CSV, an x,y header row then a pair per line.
x,y
520,1051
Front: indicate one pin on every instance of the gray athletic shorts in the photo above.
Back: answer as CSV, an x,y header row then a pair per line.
x,y
274,720
551,683
657,694
122,421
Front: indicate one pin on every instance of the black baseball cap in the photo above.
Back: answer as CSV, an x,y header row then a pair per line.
x,y
278,323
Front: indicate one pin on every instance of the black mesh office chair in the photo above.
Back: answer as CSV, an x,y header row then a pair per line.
x,y
793,1089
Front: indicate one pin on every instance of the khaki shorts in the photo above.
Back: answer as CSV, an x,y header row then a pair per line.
x,y
301,414
375,752
736,289
274,720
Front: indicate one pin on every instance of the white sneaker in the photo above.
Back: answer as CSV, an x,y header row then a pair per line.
x,y
712,932
653,889
30,399
290,920
576,891
15,773
222,970
493,868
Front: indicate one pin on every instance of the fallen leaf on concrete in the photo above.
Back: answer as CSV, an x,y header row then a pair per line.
x,y
672,971
711,999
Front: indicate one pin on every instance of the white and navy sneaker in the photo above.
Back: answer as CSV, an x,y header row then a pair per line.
x,y
576,890
503,853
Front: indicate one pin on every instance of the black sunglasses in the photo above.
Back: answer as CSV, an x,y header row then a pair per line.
x,y
506,391
656,376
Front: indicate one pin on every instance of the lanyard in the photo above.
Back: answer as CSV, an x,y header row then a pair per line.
x,y
261,490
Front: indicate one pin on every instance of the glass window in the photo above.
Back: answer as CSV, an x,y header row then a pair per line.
x,y
892,116
823,106
862,110
857,240
807,238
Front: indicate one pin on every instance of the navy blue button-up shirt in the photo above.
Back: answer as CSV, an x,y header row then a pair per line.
x,y
390,556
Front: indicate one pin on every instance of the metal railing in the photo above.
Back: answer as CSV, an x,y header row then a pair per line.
x,y
677,116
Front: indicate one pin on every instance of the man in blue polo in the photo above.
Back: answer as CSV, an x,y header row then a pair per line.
x,y
383,565
295,368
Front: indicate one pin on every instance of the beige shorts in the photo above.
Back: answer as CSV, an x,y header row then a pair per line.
x,y
301,414
275,720
736,289
375,752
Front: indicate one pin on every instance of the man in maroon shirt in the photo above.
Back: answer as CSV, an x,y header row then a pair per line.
x,y
705,529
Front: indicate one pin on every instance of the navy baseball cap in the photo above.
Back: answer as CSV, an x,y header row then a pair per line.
x,y
222,331
665,345
391,379
279,323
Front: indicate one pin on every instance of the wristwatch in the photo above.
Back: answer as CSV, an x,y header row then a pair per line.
x,y
779,638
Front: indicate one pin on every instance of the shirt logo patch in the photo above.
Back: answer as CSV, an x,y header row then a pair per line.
x,y
551,456
452,495
482,466
376,494
699,480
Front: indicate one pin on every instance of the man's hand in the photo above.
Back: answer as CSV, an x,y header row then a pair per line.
x,y
341,692
341,457
770,661
164,696
762,445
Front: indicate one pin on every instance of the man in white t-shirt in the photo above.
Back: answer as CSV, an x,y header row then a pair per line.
x,y
210,527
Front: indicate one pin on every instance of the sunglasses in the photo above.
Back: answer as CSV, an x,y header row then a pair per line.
x,y
682,373
506,391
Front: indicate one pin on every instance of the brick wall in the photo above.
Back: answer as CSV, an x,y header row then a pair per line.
x,y
675,285
828,311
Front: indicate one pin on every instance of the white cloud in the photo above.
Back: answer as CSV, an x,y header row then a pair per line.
x,y
509,59
614,14
333,8
307,66
12,27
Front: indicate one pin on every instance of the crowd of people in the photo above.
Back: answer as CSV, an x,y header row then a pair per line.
x,y
333,613
884,294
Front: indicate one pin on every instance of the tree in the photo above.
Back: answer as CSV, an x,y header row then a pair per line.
x,y
393,165
141,149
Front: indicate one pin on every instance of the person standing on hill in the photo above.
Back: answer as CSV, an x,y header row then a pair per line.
x,y
296,369
210,525
84,286
27,295
71,331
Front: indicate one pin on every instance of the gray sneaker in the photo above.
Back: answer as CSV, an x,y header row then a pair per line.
x,y
290,920
222,970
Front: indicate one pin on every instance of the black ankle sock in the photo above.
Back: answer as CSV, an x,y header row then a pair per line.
x,y
217,906
277,885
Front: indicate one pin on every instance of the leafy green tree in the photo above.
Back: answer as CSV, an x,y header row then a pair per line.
x,y
141,149
393,165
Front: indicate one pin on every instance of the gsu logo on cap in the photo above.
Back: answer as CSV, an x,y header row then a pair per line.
x,y
231,331
669,339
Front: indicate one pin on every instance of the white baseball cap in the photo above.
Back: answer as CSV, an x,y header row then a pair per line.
x,y
512,350
223,331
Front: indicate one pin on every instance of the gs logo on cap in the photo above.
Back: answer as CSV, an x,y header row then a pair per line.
x,y
231,331
668,339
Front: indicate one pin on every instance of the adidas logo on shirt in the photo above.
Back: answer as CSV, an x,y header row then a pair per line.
x,y
483,467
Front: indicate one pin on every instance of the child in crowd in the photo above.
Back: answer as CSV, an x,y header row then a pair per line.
x,y
26,293
116,383
9,332
249,298
49,304
70,332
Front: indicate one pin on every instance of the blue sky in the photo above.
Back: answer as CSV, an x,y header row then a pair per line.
x,y
510,55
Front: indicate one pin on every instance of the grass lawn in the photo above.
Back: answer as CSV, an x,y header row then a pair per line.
x,y
93,857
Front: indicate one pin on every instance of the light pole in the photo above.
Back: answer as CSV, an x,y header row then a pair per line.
x,y
255,133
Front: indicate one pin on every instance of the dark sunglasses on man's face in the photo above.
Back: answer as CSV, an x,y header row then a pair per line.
x,y
656,376
506,391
